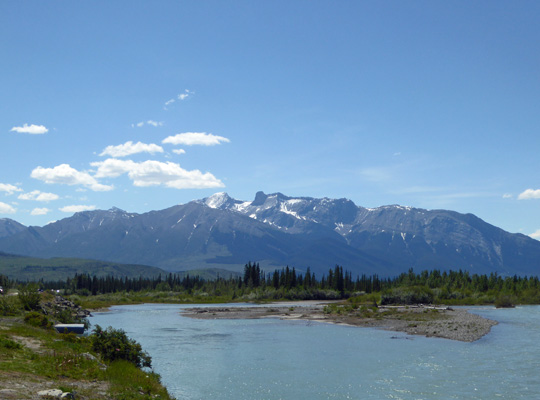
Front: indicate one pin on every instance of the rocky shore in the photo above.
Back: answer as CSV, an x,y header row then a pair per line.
x,y
440,321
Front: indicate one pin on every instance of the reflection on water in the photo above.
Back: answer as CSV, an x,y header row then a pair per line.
x,y
273,359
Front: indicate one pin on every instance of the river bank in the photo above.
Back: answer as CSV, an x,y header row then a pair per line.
x,y
443,322
37,362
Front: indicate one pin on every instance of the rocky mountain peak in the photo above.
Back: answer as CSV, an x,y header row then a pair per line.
x,y
260,198
219,201
116,210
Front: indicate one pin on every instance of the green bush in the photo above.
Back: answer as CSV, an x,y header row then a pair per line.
x,y
37,319
7,343
65,317
9,306
113,344
505,301
29,297
407,295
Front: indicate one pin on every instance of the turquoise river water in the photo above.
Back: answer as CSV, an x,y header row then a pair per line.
x,y
270,359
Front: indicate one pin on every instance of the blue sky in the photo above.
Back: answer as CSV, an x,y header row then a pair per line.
x,y
144,105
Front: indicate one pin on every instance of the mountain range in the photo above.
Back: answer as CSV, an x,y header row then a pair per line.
x,y
276,230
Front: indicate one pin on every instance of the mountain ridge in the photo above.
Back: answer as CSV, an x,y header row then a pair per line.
x,y
278,230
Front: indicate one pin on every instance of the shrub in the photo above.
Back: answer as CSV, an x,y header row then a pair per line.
x,y
38,320
29,297
9,306
65,317
411,295
505,301
7,343
113,344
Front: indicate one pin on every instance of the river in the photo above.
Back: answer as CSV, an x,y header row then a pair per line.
x,y
271,359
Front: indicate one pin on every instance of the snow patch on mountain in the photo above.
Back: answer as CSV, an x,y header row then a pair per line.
x,y
284,209
217,200
242,206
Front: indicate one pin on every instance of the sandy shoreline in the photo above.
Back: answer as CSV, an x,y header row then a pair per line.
x,y
439,321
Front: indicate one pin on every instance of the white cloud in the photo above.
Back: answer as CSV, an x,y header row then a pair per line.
x,y
9,189
535,235
507,196
195,138
529,194
74,209
179,151
6,209
168,103
40,211
155,173
31,129
185,95
113,168
130,148
149,122
65,175
181,97
36,195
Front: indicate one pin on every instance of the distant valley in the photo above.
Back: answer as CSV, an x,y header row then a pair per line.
x,y
276,230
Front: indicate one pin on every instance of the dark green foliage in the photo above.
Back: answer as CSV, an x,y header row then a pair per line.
x,y
37,319
9,305
253,275
65,317
449,287
407,295
4,282
505,301
113,344
6,343
29,297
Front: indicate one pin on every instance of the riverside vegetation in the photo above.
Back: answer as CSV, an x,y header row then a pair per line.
x,y
255,285
37,362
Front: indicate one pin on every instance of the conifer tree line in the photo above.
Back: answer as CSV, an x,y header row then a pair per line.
x,y
288,283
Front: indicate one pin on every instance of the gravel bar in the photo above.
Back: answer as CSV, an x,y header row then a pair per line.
x,y
430,321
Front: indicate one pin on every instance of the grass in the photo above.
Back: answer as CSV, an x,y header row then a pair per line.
x,y
125,298
129,382
34,354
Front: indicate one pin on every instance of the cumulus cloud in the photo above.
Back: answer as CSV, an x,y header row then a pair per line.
x,y
6,209
31,129
195,138
179,151
40,211
113,168
9,189
77,208
65,175
130,148
36,195
156,173
529,194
